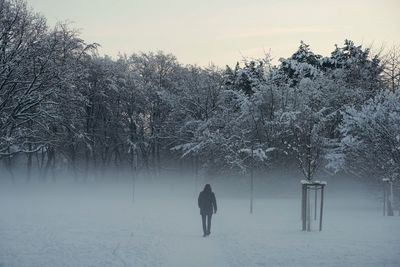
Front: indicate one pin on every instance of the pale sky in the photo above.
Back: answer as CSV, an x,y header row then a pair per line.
x,y
225,31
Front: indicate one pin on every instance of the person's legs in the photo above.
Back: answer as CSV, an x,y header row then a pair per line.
x,y
209,224
203,220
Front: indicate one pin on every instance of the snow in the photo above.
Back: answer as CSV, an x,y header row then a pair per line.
x,y
313,182
97,225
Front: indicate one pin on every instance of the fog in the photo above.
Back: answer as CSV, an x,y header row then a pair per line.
x,y
100,223
103,160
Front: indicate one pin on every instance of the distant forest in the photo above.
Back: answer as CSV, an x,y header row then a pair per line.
x,y
66,109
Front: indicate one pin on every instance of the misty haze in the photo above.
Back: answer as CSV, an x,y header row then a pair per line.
x,y
139,159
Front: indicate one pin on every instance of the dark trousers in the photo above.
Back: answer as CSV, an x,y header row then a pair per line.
x,y
206,227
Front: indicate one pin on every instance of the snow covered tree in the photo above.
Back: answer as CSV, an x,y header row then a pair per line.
x,y
23,68
355,68
302,64
157,74
304,128
246,78
70,108
372,131
370,147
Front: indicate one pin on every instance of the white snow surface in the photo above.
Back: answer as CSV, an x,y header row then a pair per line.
x,y
98,225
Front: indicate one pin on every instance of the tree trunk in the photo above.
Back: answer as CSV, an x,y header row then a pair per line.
x,y
8,164
308,211
87,159
389,205
73,163
133,173
251,181
29,164
50,164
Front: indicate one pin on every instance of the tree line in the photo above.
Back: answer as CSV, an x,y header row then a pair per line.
x,y
63,107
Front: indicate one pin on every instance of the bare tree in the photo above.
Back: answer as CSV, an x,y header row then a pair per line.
x,y
391,68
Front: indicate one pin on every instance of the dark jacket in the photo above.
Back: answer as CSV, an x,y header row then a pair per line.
x,y
207,202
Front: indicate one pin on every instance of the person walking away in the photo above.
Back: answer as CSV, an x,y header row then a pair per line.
x,y
207,204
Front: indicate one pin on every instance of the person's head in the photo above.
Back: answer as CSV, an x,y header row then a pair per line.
x,y
207,188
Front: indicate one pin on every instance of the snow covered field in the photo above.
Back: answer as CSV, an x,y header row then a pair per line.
x,y
97,225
